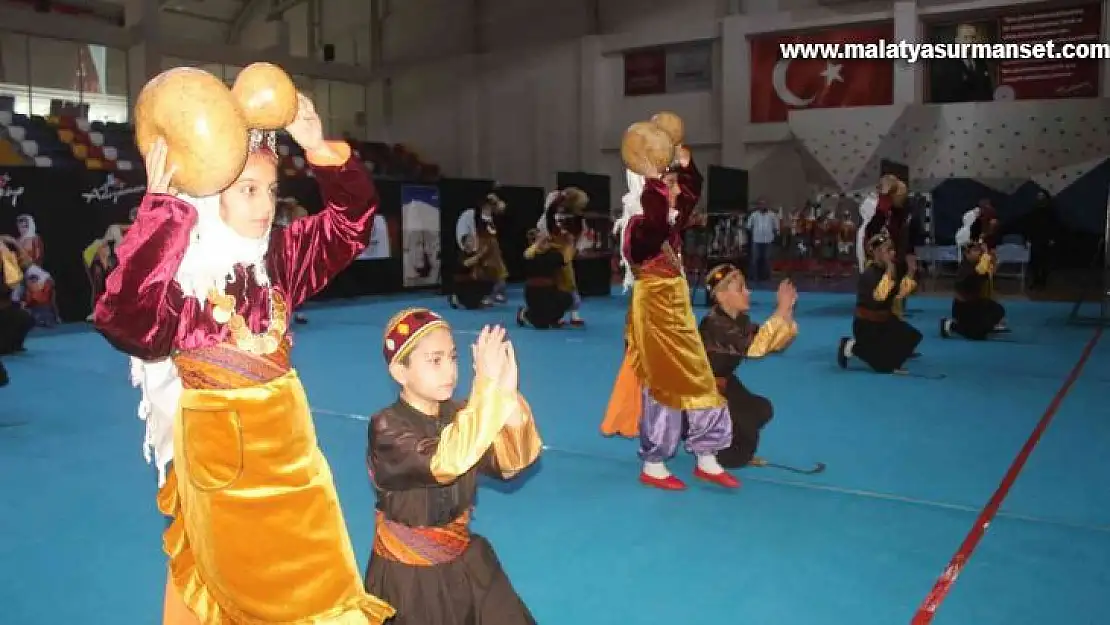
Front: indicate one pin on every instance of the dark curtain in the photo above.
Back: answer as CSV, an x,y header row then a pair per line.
x,y
726,189
523,208
71,209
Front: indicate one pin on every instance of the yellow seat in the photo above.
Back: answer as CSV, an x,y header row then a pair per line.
x,y
66,136
8,156
52,120
80,151
94,164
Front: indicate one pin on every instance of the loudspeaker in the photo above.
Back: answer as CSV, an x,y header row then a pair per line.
x,y
329,52
727,189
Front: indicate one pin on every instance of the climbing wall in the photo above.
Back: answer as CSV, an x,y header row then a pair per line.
x,y
1001,145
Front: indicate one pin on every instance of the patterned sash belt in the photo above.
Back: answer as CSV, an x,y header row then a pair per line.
x,y
421,546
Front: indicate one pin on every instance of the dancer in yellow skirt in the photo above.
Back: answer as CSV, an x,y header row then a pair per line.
x,y
201,300
665,376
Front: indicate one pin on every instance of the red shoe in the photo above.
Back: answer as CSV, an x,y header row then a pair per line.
x,y
663,483
724,478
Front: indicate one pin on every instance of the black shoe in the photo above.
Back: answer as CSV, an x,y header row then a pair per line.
x,y
300,319
842,353
4,380
520,316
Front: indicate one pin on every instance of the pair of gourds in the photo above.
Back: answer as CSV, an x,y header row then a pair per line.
x,y
205,125
649,147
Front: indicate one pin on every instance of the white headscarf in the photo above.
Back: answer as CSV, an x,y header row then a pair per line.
x,y
214,249
963,235
632,207
867,210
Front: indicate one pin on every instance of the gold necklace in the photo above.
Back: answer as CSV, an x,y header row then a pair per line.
x,y
264,343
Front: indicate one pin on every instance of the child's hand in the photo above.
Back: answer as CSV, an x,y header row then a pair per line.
x,y
509,371
488,351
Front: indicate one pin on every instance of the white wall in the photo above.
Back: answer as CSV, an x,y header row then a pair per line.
x,y
516,91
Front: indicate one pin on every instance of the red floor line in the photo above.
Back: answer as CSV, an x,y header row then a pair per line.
x,y
944,583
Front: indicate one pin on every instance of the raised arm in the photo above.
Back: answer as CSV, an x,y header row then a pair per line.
x,y
141,303
401,458
690,184
311,251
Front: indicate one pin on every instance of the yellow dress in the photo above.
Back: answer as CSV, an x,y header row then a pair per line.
x,y
257,535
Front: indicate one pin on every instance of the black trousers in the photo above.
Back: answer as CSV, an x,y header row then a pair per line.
x,y
976,319
15,325
884,345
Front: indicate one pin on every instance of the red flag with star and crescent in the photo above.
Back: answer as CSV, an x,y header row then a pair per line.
x,y
780,86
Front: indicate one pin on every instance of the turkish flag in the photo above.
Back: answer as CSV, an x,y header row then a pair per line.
x,y
779,86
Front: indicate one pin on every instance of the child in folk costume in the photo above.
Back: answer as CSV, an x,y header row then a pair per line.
x,y
880,337
471,287
545,303
201,301
561,223
893,219
478,225
975,315
665,380
730,337
426,452
38,297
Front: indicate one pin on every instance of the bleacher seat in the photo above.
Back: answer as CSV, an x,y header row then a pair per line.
x,y
64,140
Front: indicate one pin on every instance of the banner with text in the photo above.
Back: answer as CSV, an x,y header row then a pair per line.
x,y
779,85
673,69
984,80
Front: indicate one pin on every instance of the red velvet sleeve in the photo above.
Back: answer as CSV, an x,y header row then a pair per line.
x,y
312,250
690,183
645,234
139,309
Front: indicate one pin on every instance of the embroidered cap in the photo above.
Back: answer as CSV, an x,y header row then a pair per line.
x,y
719,275
405,329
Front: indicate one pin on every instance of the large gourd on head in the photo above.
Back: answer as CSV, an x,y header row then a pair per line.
x,y
671,124
647,149
202,125
266,96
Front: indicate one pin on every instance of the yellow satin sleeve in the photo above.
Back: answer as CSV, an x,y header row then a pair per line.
x,y
517,446
883,288
775,335
463,443
905,287
532,250
13,275
985,266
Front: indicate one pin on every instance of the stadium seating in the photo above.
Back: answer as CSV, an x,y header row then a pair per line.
x,y
66,141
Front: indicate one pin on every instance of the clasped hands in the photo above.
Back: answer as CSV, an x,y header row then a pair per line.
x,y
495,361
787,297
